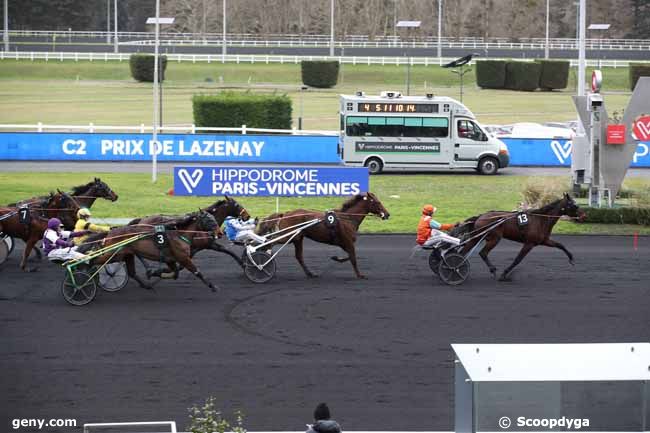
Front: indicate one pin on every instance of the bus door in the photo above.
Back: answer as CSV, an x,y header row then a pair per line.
x,y
469,142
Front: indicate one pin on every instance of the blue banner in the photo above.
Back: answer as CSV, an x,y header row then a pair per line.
x,y
169,147
557,152
270,181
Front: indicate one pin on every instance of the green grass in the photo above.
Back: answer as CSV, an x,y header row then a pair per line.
x,y
456,196
103,92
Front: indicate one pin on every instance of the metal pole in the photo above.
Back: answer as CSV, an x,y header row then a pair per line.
x,y
440,31
408,76
156,100
547,17
300,118
6,33
581,50
331,28
224,49
108,21
115,50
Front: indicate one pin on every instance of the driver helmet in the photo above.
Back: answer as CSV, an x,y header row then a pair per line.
x,y
83,213
428,209
54,224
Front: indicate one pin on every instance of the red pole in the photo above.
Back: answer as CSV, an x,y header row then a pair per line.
x,y
636,241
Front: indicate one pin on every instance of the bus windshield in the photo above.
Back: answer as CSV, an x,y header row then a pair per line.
x,y
380,126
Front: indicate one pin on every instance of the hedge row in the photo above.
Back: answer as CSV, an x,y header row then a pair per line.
x,y
622,215
637,70
527,76
142,67
234,109
322,73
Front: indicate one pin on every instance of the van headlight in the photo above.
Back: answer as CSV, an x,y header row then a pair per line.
x,y
503,149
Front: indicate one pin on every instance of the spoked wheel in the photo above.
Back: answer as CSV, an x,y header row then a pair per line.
x,y
4,252
434,261
81,290
453,269
253,273
113,277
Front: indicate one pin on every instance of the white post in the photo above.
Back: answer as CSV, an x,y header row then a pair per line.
x,y
224,49
115,50
6,33
440,31
154,138
108,21
581,48
547,17
331,28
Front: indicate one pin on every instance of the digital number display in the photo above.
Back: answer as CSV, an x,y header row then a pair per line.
x,y
391,107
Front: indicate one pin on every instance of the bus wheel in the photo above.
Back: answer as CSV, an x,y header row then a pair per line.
x,y
488,166
374,166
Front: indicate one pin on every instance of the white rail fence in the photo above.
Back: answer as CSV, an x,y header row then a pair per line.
x,y
267,59
142,128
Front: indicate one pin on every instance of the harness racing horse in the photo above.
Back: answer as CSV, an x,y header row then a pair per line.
x,y
180,237
85,195
531,228
30,224
340,231
219,210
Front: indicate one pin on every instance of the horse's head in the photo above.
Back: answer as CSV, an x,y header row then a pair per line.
x,y
375,207
206,222
571,208
100,189
234,209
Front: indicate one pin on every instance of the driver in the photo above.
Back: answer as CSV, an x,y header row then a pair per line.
x,y
83,223
57,242
238,230
429,230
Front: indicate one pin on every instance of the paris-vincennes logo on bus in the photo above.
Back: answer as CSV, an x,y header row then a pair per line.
x,y
641,128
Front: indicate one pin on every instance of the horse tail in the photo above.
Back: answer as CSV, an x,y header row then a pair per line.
x,y
268,224
464,227
134,222
92,242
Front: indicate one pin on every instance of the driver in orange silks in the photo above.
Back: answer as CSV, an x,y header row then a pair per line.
x,y
429,230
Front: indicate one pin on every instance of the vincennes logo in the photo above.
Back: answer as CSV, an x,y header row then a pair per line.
x,y
641,128
561,151
190,181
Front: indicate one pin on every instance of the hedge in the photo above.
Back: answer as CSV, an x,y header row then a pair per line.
x,y
554,75
621,215
321,73
234,109
142,67
523,75
491,74
637,70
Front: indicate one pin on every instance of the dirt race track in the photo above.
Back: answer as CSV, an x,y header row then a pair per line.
x,y
378,351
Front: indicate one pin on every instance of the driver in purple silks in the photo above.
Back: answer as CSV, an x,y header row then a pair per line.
x,y
57,243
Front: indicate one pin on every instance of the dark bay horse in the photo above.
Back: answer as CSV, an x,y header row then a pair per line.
x,y
342,232
219,210
31,233
532,229
85,195
192,232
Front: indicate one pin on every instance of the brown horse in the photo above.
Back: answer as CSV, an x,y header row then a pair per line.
x,y
219,210
195,231
85,195
59,205
340,230
531,228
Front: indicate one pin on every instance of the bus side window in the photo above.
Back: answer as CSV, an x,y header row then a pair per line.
x,y
468,129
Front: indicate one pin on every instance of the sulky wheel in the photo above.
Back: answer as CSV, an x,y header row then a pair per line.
x,y
81,290
453,269
113,277
434,260
253,273
4,252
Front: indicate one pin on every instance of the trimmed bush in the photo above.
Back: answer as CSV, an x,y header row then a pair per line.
x,y
523,75
142,67
491,74
234,109
322,73
637,70
622,215
554,75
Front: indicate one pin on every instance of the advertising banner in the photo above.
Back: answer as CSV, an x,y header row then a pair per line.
x,y
270,181
169,147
